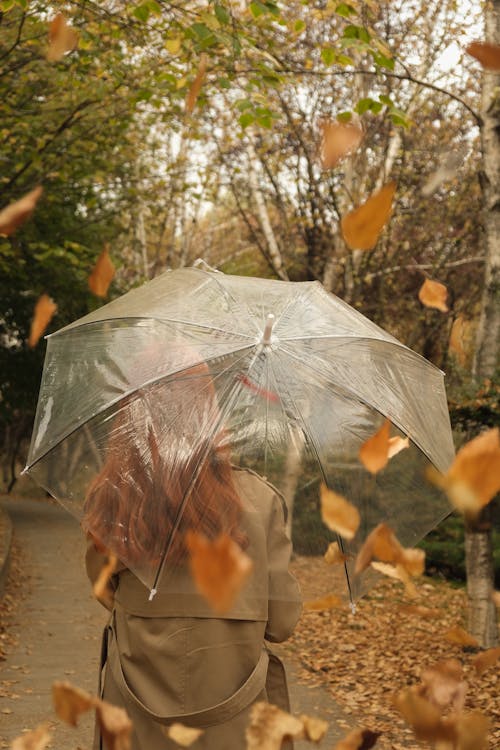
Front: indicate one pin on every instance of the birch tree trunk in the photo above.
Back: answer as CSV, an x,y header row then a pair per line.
x,y
478,539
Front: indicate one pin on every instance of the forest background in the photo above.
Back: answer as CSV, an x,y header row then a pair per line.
x,y
163,132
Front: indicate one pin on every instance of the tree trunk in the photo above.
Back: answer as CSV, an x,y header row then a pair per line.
x,y
478,540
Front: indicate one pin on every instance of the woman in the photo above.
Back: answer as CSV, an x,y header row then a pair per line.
x,y
173,658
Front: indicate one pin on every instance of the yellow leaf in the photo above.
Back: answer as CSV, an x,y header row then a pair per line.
x,y
358,739
362,227
330,601
38,739
270,726
182,735
62,38
338,141
115,725
195,88
173,45
13,216
44,310
460,637
333,554
70,702
338,513
314,728
433,294
487,54
102,274
473,479
219,568
374,453
486,659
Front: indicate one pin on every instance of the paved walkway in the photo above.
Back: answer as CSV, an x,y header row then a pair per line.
x,y
57,628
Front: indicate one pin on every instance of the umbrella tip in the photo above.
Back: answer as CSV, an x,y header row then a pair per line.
x,y
266,336
152,594
353,607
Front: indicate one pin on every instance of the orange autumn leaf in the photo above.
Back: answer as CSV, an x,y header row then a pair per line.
x,y
330,601
334,555
486,659
396,445
433,294
460,637
495,598
270,726
399,573
338,140
102,274
314,728
382,544
470,730
358,739
219,568
374,453
421,611
195,88
101,588
423,716
338,513
70,702
362,227
487,54
473,479
444,686
45,308
115,725
13,216
38,739
62,38
182,735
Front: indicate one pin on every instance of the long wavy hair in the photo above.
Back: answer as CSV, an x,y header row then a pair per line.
x,y
167,470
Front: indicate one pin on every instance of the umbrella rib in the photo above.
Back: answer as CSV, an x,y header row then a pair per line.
x,y
156,320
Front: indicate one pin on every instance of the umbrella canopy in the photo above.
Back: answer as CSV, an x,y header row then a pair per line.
x,y
196,368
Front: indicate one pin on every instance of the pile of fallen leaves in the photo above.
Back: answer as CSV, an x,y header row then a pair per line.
x,y
366,658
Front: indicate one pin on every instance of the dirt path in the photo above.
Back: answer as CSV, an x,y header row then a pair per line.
x,y
55,632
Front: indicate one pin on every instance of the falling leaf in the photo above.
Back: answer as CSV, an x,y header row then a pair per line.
x,y
45,308
421,611
270,726
362,227
473,478
487,54
458,334
182,735
423,716
460,636
330,601
338,513
358,739
38,739
396,445
338,140
13,216
374,453
102,274
314,728
399,574
62,38
70,702
433,294
173,45
443,685
333,554
495,598
447,169
382,544
115,725
219,568
195,88
486,659
101,588
471,731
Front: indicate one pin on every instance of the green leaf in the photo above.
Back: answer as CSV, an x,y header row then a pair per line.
x,y
223,16
299,26
386,100
345,10
364,105
328,55
201,30
142,12
154,7
383,61
244,104
344,116
246,119
257,8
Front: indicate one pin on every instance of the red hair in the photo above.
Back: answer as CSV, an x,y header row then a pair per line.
x,y
152,473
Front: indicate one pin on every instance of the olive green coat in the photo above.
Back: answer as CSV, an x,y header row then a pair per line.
x,y
172,659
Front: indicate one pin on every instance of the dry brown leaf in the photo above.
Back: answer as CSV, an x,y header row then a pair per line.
x,y
62,38
487,54
45,308
269,726
338,140
399,574
396,445
460,334
314,728
460,636
13,216
421,611
334,555
471,731
423,716
115,725
433,294
486,659
473,478
362,227
374,453
38,739
102,274
195,88
101,588
182,735
358,739
70,702
495,598
219,568
381,544
338,513
330,601
443,685
413,561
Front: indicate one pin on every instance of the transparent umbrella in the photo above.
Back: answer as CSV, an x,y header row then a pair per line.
x,y
198,375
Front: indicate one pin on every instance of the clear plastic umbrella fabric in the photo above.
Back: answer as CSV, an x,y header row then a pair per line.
x,y
154,409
